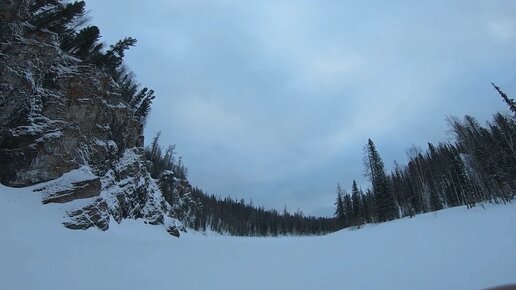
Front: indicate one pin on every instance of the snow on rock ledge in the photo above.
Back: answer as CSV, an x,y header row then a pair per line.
x,y
64,126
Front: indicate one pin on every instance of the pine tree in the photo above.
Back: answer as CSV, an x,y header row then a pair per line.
x,y
374,169
366,208
348,208
434,174
85,44
357,205
115,54
340,213
510,102
55,16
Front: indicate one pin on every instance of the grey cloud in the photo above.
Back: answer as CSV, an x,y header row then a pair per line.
x,y
274,99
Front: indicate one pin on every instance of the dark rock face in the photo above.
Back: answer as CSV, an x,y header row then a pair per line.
x,y
63,120
174,231
57,112
47,131
79,190
93,215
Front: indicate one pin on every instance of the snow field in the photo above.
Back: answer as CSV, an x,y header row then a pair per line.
x,y
451,249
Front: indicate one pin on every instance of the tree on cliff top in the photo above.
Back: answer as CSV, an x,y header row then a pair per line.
x,y
65,19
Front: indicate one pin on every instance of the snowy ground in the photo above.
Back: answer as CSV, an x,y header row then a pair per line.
x,y
453,249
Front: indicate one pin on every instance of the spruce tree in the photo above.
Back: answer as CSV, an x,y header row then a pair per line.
x,y
510,102
434,175
85,44
55,16
366,209
385,206
340,213
357,204
115,54
348,208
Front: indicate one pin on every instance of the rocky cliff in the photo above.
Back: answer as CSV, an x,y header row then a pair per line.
x,y
64,126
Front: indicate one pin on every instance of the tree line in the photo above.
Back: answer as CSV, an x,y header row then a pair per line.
x,y
478,166
230,216
204,212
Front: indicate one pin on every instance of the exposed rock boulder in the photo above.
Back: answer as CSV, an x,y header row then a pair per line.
x,y
174,231
174,227
95,214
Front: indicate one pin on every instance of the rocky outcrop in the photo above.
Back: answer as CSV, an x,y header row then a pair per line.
x,y
64,120
57,113
130,191
95,214
80,190
174,231
177,193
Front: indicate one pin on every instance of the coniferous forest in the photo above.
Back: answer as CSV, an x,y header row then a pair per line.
x,y
230,216
239,218
478,166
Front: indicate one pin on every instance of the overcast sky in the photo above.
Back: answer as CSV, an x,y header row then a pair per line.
x,y
274,100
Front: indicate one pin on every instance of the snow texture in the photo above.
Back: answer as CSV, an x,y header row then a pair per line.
x,y
451,249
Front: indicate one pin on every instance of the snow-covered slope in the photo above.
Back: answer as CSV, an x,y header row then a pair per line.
x,y
453,249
